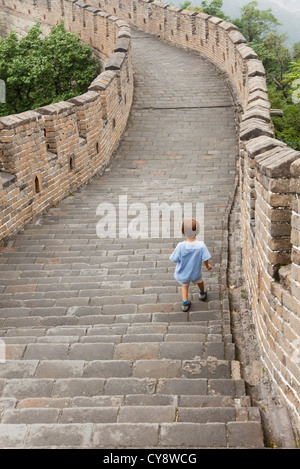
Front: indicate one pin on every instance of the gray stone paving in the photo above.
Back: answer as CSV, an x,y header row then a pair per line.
x,y
99,353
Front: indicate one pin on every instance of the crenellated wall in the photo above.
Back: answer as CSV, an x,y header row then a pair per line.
x,y
60,146
48,152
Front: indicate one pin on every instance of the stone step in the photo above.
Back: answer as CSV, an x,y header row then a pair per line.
x,y
129,414
116,272
28,293
204,327
88,316
149,368
132,435
164,330
128,350
11,341
86,307
125,333
26,327
194,401
53,383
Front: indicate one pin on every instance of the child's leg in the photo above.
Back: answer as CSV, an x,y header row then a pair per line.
x,y
202,292
184,292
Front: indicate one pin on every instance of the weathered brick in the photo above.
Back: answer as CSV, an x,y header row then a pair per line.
x,y
147,414
251,433
136,351
72,387
125,435
157,368
193,435
62,435
91,351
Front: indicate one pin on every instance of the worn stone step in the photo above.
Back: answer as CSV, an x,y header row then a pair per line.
x,y
28,328
90,315
80,307
121,351
189,401
194,401
129,414
166,368
210,331
134,435
115,333
53,383
90,297
210,435
218,414
13,341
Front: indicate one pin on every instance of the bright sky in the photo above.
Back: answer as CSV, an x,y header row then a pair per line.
x,y
290,5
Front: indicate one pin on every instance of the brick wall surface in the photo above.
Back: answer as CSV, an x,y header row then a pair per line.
x,y
36,149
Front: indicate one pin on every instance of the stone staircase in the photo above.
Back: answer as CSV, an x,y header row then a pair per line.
x,y
98,351
123,384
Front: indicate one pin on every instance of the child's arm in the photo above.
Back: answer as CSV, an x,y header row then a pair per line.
x,y
207,265
175,256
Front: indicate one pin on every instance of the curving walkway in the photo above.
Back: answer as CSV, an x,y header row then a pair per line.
x,y
98,351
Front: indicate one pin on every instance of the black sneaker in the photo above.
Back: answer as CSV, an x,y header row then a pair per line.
x,y
186,307
202,295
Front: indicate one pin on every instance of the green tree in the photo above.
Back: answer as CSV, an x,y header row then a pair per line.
x,y
256,24
214,8
187,6
293,80
275,57
296,51
38,71
287,128
294,73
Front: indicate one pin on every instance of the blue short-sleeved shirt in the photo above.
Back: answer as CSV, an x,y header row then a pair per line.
x,y
189,258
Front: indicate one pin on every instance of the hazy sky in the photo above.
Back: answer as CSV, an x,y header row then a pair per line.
x,y
290,5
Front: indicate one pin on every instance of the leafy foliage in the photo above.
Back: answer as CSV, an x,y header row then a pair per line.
x,y
39,71
276,58
296,51
256,24
213,8
294,73
293,80
287,128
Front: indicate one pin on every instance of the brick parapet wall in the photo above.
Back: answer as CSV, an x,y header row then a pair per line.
x,y
48,152
269,170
